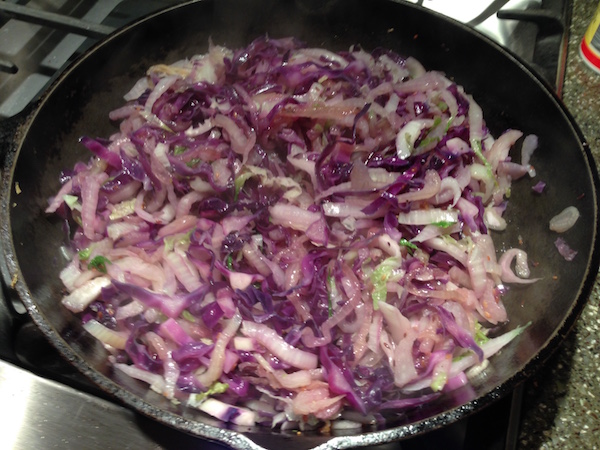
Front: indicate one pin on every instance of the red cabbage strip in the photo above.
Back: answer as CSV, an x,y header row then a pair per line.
x,y
409,402
101,151
463,338
170,306
339,383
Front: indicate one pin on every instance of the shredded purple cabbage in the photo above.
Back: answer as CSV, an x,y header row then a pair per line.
x,y
539,187
280,234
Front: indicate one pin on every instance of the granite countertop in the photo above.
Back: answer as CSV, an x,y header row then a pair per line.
x,y
561,404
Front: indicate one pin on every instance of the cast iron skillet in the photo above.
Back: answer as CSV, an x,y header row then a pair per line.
x,y
510,95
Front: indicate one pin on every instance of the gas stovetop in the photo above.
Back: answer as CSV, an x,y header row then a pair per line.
x,y
40,38
50,403
534,30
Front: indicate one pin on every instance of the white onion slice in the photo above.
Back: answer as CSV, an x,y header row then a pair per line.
x,y
105,335
564,220
275,343
406,137
81,297
428,216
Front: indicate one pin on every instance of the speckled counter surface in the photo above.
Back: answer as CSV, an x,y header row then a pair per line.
x,y
561,404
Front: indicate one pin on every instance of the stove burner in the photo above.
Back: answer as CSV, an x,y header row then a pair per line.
x,y
37,44
534,30
58,21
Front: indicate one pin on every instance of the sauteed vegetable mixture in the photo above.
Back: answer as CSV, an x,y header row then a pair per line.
x,y
285,235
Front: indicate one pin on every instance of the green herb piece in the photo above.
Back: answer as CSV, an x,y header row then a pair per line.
x,y
84,254
72,202
443,223
153,119
480,337
186,315
181,240
381,275
179,149
331,290
478,149
123,209
409,245
193,162
427,139
409,142
439,381
461,356
239,182
99,263
217,388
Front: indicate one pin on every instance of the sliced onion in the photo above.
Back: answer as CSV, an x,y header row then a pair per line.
x,y
184,270
428,216
217,358
430,188
431,231
240,143
227,412
81,297
493,220
132,309
449,191
138,89
398,325
407,136
275,343
475,116
501,147
311,400
141,268
161,87
89,202
70,274
529,146
291,380
564,220
105,335
156,381
521,267
489,348
293,216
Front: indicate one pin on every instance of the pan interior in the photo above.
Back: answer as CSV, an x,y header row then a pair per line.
x,y
510,96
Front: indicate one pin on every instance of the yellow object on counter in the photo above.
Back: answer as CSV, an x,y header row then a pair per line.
x,y
590,44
